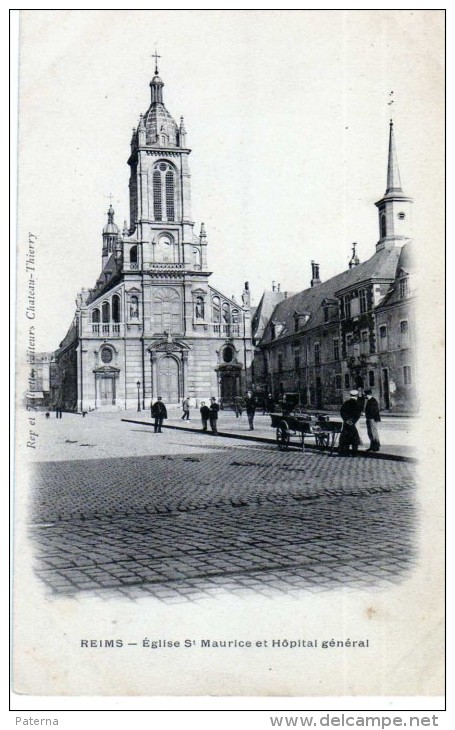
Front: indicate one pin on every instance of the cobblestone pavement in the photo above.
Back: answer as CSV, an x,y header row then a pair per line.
x,y
194,516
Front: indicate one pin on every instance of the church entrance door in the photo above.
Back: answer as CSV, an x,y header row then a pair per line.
x,y
107,393
168,380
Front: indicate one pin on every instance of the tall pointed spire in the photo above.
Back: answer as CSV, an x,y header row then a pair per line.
x,y
394,208
393,172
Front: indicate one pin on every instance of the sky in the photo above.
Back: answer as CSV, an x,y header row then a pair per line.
x,y
287,116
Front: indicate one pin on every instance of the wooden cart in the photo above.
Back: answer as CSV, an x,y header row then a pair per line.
x,y
293,429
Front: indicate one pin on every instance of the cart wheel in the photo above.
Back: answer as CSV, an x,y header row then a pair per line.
x,y
282,436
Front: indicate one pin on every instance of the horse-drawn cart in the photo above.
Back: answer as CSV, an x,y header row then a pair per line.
x,y
294,428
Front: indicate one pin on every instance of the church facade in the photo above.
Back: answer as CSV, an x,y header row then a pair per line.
x,y
153,325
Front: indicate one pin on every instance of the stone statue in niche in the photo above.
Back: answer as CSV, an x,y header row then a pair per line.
x,y
199,308
134,308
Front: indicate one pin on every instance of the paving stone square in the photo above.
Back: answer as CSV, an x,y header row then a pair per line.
x,y
187,516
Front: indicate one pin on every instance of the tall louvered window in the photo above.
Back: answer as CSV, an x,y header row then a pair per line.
x,y
170,196
157,202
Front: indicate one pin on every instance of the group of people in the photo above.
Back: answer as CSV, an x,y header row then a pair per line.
x,y
209,413
350,412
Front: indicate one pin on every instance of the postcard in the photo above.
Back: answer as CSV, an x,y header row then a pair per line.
x,y
229,407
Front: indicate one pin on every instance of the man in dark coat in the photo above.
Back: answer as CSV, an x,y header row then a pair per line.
x,y
372,417
350,413
250,407
214,408
205,415
159,413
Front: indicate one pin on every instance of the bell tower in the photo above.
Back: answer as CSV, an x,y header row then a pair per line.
x,y
160,195
394,209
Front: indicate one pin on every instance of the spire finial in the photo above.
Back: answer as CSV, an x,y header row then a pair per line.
x,y
389,103
156,57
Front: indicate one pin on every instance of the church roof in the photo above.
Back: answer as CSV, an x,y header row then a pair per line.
x,y
405,265
381,266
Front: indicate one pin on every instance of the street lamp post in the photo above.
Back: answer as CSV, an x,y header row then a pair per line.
x,y
138,395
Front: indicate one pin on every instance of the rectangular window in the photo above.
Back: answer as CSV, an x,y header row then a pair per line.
x,y
371,378
363,300
407,375
280,362
347,307
355,307
404,333
336,349
317,354
404,287
337,382
297,359
383,343
326,314
365,343
346,380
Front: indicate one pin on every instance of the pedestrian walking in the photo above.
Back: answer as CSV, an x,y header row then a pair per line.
x,y
205,415
214,409
350,413
372,417
159,413
250,407
186,409
238,406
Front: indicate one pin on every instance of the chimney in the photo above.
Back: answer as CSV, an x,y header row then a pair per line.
x,y
278,287
314,274
273,286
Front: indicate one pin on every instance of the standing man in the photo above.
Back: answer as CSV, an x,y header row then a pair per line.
x,y
159,413
238,406
372,417
250,407
214,408
205,415
350,413
186,409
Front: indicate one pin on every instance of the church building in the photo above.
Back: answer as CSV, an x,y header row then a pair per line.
x,y
354,330
153,325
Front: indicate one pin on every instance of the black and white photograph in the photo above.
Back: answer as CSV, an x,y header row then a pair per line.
x,y
230,348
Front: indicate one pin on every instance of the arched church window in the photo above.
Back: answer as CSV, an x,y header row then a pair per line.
x,y
170,195
167,310
383,226
216,310
157,196
133,255
106,312
95,316
134,307
116,308
235,316
199,307
196,257
226,313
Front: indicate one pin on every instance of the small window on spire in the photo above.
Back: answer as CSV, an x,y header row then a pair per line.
x,y
383,226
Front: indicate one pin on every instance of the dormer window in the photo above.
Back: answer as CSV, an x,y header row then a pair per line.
x,y
404,287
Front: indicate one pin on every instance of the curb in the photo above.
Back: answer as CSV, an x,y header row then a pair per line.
x,y
264,440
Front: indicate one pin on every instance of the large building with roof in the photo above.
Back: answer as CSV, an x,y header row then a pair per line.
x,y
153,325
356,329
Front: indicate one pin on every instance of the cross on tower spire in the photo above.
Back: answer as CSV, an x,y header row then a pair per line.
x,y
156,56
